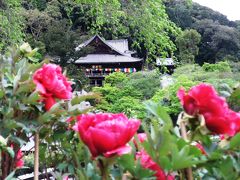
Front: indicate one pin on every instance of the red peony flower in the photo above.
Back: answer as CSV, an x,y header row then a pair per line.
x,y
51,84
19,163
147,163
203,99
106,134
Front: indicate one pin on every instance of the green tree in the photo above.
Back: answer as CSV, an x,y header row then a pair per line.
x,y
218,41
11,23
37,22
187,44
150,28
145,23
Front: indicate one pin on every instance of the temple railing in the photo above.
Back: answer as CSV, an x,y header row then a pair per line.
x,y
97,74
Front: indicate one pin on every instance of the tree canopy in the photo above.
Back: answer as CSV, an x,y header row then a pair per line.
x,y
56,27
144,23
220,36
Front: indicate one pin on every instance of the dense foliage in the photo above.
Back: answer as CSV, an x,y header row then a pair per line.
x,y
187,44
58,26
220,36
219,75
123,93
11,23
190,121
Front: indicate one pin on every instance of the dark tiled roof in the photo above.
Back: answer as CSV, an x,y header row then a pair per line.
x,y
105,58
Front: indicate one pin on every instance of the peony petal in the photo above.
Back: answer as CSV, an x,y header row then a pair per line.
x,y
50,80
188,102
41,88
204,99
49,102
181,94
142,137
105,132
88,140
147,163
119,151
103,140
131,128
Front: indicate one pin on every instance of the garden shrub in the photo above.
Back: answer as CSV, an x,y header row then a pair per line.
x,y
197,73
130,106
167,97
106,145
111,96
145,82
220,67
116,78
119,90
110,93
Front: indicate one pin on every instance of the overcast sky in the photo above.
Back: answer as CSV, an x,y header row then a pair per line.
x,y
230,8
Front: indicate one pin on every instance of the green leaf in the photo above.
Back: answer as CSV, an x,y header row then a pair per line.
x,y
11,176
26,86
127,161
235,141
165,163
159,112
33,98
79,99
90,170
183,159
10,151
1,93
44,118
18,140
62,166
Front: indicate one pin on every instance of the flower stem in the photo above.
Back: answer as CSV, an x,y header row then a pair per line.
x,y
184,136
36,156
103,165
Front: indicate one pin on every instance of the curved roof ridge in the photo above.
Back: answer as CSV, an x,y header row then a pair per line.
x,y
103,40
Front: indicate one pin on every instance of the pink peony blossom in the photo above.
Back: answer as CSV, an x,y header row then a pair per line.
x,y
106,134
51,84
147,163
203,99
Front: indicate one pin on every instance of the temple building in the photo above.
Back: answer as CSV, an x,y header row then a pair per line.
x,y
165,65
105,57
